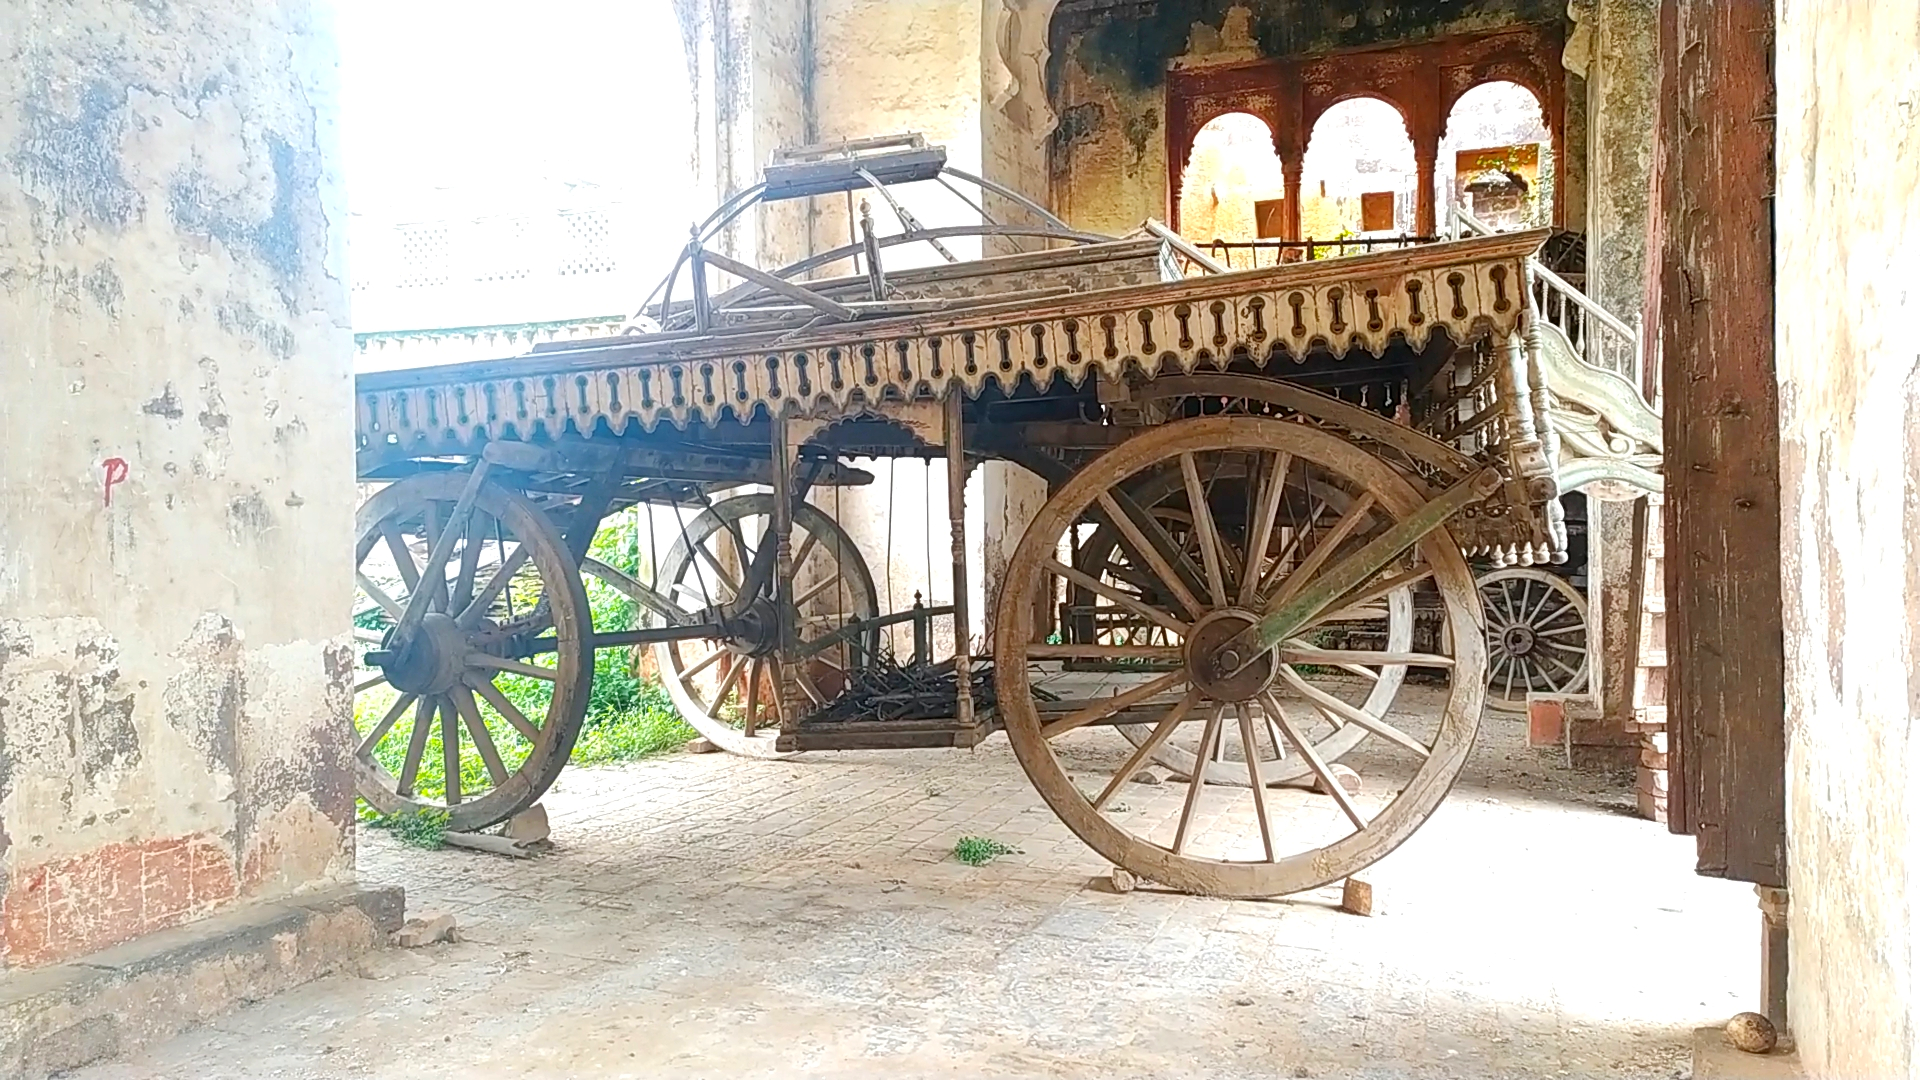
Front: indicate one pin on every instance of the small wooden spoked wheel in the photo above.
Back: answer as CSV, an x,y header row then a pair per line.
x,y
729,689
1303,520
476,710
1246,840
1536,636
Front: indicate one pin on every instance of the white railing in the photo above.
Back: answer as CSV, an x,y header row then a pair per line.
x,y
1599,338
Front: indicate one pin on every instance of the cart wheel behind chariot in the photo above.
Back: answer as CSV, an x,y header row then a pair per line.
x,y
1300,524
1246,840
476,712
1536,636
729,689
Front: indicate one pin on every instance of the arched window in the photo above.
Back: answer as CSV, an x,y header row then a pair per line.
x,y
1359,177
1496,159
1233,184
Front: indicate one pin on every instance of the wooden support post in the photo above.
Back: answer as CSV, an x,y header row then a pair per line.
x,y
1773,954
1726,705
792,700
1293,167
957,526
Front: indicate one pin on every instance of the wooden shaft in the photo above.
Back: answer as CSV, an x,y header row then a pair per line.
x,y
792,699
1296,610
442,550
957,527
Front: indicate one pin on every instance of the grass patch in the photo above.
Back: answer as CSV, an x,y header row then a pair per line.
x,y
421,829
981,850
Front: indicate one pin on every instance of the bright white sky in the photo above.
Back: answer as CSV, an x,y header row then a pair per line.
x,y
492,98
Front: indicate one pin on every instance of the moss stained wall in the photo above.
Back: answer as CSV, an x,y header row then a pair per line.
x,y
176,468
1107,73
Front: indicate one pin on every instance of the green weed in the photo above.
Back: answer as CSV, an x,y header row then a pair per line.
x,y
981,850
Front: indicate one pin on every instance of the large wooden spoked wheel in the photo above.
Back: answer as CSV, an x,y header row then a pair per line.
x,y
1536,636
1386,621
1247,840
729,689
476,712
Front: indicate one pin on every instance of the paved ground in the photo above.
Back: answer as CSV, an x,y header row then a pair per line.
x,y
705,916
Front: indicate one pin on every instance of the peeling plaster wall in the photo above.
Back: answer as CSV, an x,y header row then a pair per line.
x,y
175,468
1107,73
1848,264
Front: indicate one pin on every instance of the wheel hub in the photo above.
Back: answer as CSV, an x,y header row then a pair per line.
x,y
756,631
1517,640
1226,674
433,661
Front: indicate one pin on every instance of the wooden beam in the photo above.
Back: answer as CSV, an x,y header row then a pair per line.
x,y
1726,705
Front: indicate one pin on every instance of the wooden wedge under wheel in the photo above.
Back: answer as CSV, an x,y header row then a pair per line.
x,y
1210,676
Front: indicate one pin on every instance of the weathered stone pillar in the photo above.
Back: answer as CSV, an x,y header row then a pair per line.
x,y
176,482
1622,79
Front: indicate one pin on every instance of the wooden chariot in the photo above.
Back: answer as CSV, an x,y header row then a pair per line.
x,y
1264,490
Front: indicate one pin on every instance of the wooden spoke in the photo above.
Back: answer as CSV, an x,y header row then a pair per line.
x,y
1210,557
450,750
379,596
385,725
754,672
1320,769
1198,780
1145,611
1347,606
1274,738
1563,631
735,671
806,548
1347,712
402,556
1572,673
1299,652
1168,578
1273,488
1296,644
517,667
505,707
368,684
1252,754
423,713
436,587
482,738
1279,568
713,658
1105,652
811,594
1161,733
477,528
1106,707
720,572
509,566
1317,558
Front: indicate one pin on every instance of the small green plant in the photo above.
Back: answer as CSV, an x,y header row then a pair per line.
x,y
981,850
421,828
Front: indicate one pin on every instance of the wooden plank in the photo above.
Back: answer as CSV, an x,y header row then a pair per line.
x,y
1727,705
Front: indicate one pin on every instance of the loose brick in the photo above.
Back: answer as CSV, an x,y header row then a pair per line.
x,y
1546,722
